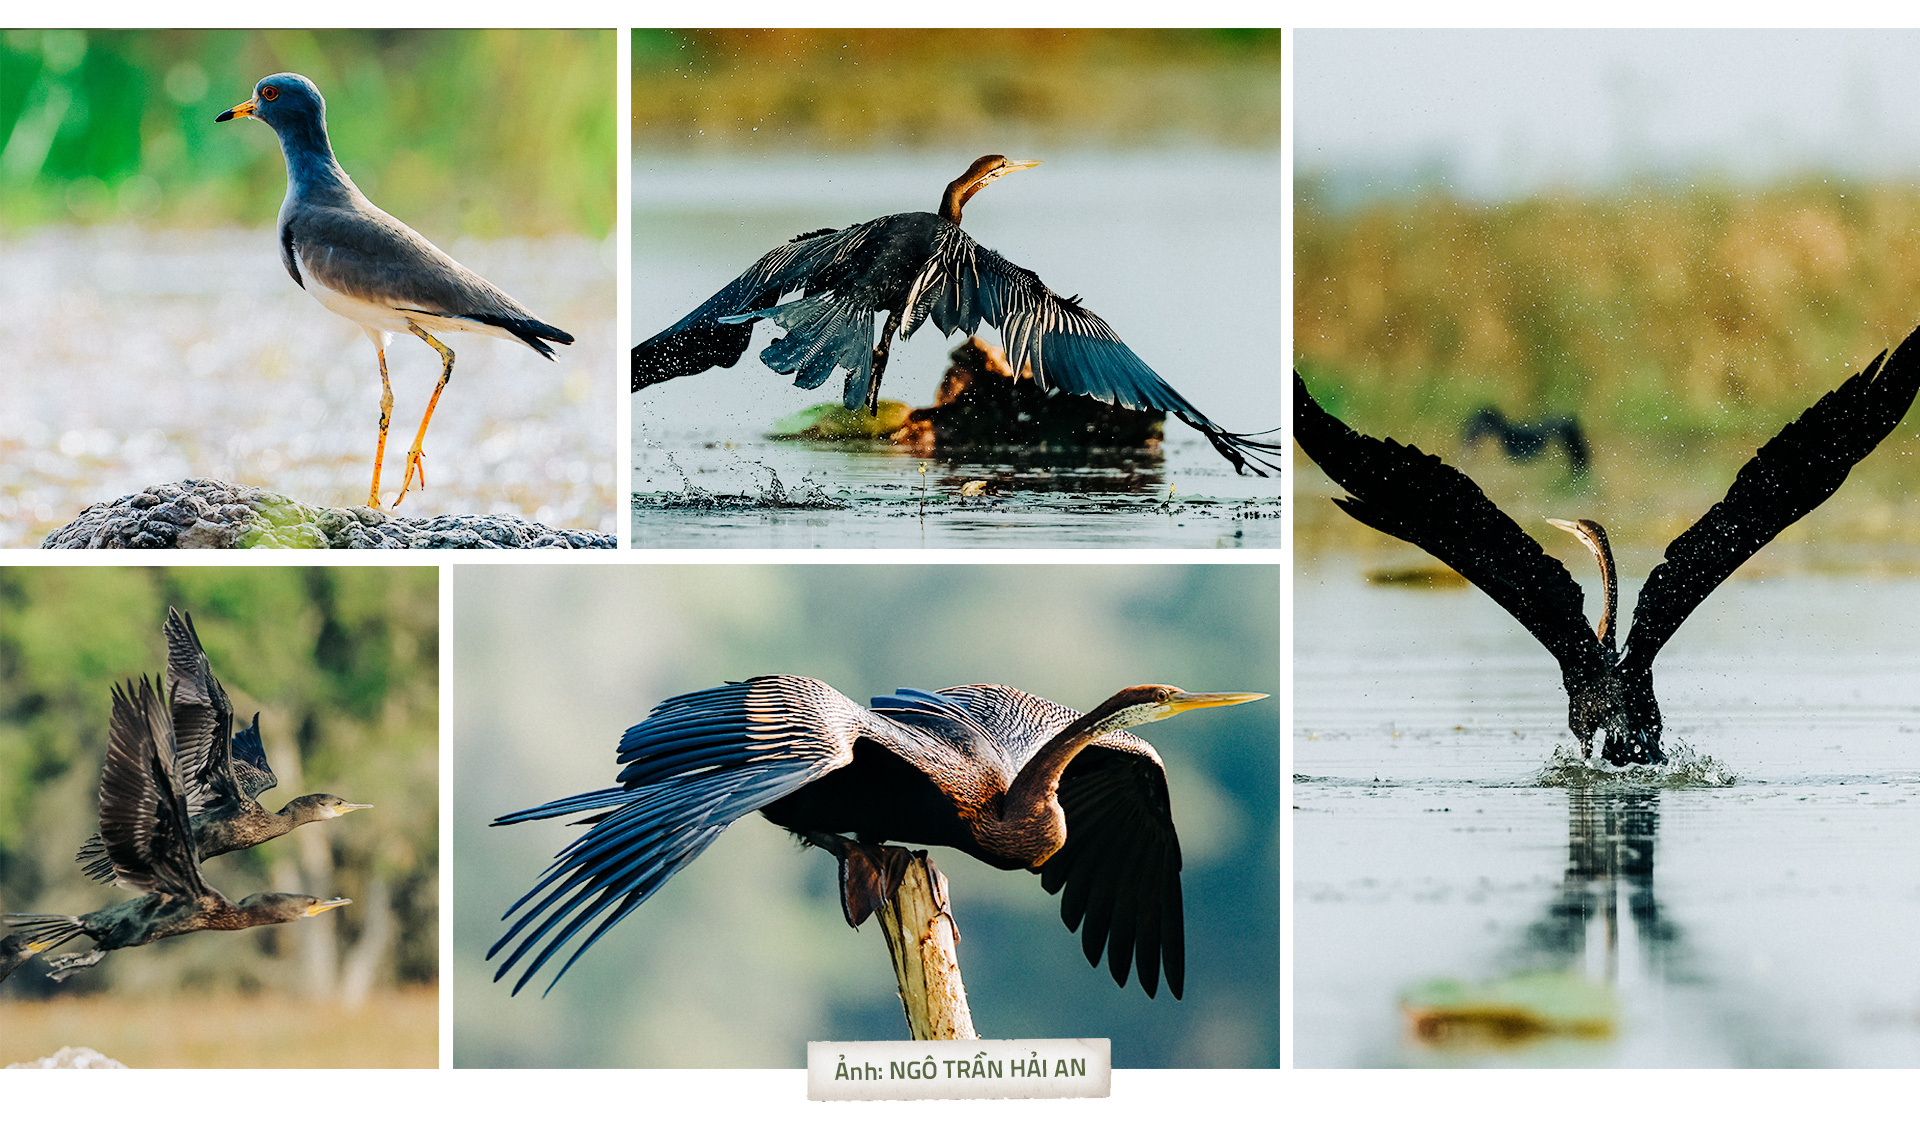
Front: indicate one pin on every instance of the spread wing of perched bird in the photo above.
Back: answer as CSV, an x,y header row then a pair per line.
x,y
1016,781
920,266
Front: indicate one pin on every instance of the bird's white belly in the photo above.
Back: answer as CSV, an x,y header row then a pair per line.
x,y
391,317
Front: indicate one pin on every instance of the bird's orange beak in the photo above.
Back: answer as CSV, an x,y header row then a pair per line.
x,y
244,110
1187,701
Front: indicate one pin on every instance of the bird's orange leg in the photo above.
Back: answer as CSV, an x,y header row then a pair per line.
x,y
414,461
386,414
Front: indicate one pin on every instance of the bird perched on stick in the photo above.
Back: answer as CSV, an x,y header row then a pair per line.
x,y
364,265
918,266
1004,776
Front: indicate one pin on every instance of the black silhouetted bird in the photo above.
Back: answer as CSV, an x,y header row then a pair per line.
x,y
1411,495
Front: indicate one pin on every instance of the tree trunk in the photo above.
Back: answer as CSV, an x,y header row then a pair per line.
x,y
920,937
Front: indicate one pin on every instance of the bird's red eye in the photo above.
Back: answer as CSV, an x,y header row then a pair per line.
x,y
269,93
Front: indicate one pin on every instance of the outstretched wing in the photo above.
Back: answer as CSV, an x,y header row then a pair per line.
x,y
143,807
1791,475
252,775
696,764
706,338
1411,495
202,719
1068,347
1119,871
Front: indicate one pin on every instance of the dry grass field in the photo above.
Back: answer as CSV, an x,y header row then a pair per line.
x,y
391,1030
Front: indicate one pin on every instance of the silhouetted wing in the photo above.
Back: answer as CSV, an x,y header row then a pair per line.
x,y
143,809
251,773
1411,495
704,339
1120,865
1068,347
202,719
696,764
1791,475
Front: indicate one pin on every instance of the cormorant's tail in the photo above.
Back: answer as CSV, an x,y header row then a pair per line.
x,y
36,934
1246,453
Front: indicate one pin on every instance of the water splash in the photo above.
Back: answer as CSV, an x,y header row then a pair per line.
x,y
807,495
1685,767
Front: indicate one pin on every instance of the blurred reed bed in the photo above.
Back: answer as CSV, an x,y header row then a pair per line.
x,y
877,87
476,133
1682,326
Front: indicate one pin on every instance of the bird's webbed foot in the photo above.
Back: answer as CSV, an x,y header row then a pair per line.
x,y
869,874
60,968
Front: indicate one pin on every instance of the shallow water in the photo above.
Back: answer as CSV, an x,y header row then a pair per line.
x,y
1766,922
1174,250
152,356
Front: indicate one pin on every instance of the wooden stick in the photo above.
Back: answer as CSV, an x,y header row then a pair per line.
x,y
920,939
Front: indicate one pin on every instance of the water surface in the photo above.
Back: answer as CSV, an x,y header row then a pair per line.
x,y
1769,922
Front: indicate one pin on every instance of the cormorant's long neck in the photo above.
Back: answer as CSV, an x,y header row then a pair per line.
x,y
958,193
1603,553
1594,537
1031,824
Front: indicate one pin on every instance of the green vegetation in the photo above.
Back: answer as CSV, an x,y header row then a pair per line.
x,y
485,133
1683,327
341,664
1699,311
985,88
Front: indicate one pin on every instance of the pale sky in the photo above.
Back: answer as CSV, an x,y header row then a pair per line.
x,y
1502,113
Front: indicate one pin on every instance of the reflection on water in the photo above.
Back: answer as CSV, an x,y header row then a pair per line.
x,y
1449,910
1174,254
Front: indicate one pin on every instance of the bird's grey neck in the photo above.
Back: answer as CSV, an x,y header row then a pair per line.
x,y
312,171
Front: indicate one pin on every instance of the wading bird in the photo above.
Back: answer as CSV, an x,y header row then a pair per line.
x,y
1013,780
1411,495
224,776
916,266
365,266
143,821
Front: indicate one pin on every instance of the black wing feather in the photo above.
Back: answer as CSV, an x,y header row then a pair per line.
x,y
143,808
703,340
1413,496
202,720
1068,347
694,766
1791,475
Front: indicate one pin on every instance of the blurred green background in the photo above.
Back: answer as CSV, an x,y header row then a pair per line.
x,y
744,956
480,133
880,87
342,665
